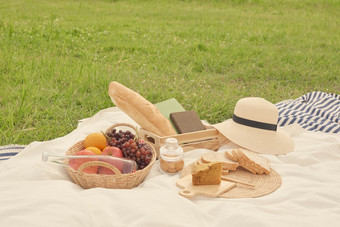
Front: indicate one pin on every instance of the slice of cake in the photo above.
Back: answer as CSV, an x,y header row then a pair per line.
x,y
206,173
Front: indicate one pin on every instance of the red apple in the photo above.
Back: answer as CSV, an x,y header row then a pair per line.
x,y
74,163
121,165
113,151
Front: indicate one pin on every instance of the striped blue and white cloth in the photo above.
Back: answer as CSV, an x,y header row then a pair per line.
x,y
314,111
7,152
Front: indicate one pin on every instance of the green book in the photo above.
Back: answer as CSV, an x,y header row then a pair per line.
x,y
169,106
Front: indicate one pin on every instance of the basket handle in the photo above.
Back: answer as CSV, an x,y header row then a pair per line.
x,y
124,124
98,163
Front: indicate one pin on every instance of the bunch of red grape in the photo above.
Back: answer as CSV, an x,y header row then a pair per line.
x,y
131,148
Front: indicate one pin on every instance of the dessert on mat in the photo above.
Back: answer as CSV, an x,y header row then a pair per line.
x,y
224,171
227,164
251,161
206,173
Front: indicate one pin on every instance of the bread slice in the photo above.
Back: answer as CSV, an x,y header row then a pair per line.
x,y
227,164
230,155
257,160
247,164
243,163
225,172
251,161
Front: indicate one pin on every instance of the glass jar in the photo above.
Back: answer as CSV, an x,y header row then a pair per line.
x,y
171,157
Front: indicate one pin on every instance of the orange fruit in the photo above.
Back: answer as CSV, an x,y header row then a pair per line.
x,y
94,150
96,139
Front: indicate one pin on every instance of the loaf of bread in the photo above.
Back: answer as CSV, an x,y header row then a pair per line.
x,y
206,173
143,112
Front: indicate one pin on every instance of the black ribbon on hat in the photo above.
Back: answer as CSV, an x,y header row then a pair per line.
x,y
254,124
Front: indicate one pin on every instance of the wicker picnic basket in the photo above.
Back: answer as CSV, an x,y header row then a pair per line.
x,y
117,180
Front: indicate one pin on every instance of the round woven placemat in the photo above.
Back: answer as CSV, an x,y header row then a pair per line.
x,y
264,184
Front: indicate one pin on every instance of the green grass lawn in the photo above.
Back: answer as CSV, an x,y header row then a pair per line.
x,y
58,57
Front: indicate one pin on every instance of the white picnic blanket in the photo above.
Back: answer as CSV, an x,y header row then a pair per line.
x,y
35,193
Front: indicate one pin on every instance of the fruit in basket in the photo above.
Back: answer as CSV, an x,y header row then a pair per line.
x,y
94,150
76,163
119,137
131,148
113,151
95,140
116,163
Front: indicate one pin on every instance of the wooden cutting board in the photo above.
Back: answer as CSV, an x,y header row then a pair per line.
x,y
190,190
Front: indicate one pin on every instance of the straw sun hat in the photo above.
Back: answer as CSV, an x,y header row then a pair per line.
x,y
254,127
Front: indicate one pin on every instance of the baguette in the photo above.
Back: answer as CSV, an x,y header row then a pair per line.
x,y
143,112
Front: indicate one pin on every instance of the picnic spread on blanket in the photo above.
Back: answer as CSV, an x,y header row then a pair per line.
x,y
139,152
